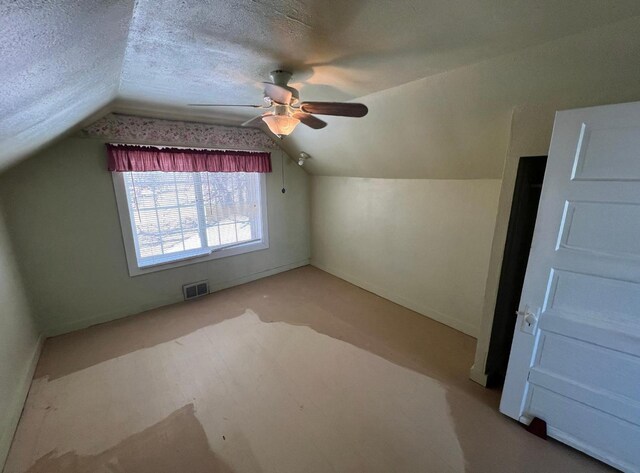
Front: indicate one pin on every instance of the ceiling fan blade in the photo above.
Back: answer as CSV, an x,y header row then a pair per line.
x,y
340,109
310,120
255,121
221,105
277,93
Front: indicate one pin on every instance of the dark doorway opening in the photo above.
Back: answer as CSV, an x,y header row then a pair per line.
x,y
522,221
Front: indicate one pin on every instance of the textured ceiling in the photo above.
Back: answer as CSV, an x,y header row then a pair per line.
x,y
60,62
64,60
219,51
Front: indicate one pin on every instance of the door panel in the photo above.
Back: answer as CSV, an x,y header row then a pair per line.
x,y
578,365
607,227
573,423
594,375
607,153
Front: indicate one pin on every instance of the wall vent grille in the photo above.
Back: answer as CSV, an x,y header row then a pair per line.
x,y
195,289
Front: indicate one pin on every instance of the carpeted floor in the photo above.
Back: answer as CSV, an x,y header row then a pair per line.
x,y
298,372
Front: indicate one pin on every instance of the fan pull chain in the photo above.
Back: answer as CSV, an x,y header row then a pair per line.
x,y
282,167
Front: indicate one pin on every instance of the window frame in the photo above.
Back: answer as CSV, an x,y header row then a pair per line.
x,y
127,225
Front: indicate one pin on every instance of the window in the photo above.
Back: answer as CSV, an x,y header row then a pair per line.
x,y
174,218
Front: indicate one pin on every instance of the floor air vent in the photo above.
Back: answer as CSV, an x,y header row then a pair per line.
x,y
196,289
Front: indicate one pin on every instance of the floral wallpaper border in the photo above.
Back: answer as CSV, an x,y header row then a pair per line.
x,y
139,130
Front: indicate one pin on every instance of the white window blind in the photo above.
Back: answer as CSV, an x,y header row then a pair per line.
x,y
180,215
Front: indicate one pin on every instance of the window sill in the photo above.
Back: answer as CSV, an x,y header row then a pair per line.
x,y
135,270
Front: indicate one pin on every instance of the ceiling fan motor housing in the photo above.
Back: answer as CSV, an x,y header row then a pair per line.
x,y
282,78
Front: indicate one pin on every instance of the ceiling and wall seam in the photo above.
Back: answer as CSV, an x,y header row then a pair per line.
x,y
487,60
574,71
163,55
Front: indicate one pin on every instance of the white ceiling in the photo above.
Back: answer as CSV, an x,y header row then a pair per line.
x,y
219,51
64,60
60,62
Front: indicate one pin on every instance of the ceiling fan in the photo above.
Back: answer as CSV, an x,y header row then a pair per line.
x,y
284,111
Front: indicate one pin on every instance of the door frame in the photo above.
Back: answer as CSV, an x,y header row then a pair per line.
x,y
519,232
505,200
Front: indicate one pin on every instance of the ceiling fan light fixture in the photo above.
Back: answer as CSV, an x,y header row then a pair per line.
x,y
302,158
281,125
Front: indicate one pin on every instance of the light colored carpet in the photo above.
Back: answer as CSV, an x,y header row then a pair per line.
x,y
298,372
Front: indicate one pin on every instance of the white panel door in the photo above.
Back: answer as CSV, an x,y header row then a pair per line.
x,y
575,358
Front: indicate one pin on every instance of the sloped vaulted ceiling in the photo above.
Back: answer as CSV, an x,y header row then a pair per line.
x,y
64,60
60,62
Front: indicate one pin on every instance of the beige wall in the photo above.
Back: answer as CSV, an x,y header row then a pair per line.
x,y
19,344
473,122
422,243
61,211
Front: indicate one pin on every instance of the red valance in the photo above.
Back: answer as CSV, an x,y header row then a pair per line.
x,y
124,158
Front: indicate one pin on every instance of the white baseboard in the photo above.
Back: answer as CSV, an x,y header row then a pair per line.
x,y
20,397
255,276
79,324
478,375
445,319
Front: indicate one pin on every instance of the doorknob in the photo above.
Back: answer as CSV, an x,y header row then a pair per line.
x,y
529,319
